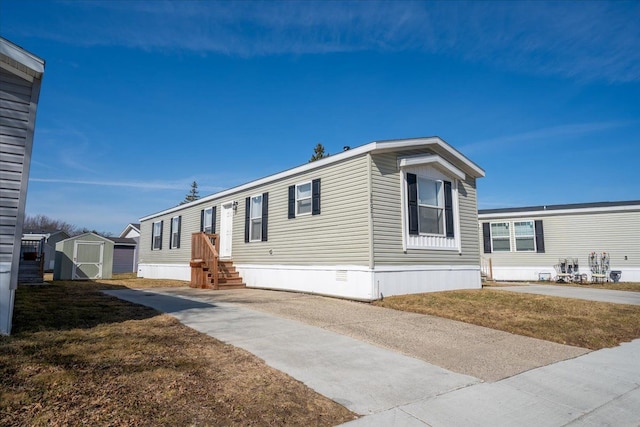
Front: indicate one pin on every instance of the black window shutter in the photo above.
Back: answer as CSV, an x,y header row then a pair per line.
x,y
179,231
153,234
315,197
448,209
247,219
213,220
539,236
265,214
412,199
161,228
292,201
202,220
486,237
171,243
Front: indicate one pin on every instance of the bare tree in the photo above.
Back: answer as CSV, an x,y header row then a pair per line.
x,y
44,223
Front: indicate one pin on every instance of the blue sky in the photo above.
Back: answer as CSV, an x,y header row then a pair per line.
x,y
139,98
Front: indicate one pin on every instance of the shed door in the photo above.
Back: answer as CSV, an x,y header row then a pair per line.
x,y
226,230
87,260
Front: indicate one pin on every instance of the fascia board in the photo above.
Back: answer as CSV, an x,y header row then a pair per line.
x,y
439,162
553,212
21,56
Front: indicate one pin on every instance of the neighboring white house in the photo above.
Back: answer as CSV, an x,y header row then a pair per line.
x,y
20,78
385,218
526,243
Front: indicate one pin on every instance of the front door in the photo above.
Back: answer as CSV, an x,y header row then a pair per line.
x,y
87,260
226,230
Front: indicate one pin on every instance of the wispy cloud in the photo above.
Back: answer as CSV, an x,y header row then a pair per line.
x,y
540,136
583,40
141,185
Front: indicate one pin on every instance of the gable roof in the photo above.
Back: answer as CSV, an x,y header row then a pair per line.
x,y
435,143
131,226
17,60
564,208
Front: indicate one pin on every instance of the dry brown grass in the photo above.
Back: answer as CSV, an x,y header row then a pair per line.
x,y
587,324
620,286
79,357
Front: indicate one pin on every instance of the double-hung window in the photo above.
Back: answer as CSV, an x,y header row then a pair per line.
x,y
303,198
175,232
500,237
255,219
525,236
430,207
207,220
156,236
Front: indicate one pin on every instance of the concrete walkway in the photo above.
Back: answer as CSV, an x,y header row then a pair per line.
x,y
390,388
591,294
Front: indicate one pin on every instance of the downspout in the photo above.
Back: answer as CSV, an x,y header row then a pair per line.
x,y
375,292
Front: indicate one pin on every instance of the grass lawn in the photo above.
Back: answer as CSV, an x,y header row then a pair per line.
x,y
587,324
620,286
79,357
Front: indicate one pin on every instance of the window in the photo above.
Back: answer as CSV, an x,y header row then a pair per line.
x,y
430,207
255,232
525,236
255,221
175,232
500,237
156,236
303,199
208,220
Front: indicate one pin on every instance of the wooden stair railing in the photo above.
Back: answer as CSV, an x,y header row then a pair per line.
x,y
204,258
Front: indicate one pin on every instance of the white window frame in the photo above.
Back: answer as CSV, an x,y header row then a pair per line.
x,y
507,238
155,234
255,218
440,207
175,232
204,220
532,236
298,200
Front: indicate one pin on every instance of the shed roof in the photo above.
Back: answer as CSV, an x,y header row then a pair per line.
x,y
122,241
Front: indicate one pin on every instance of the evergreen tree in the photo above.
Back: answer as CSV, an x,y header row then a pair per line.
x,y
192,194
318,153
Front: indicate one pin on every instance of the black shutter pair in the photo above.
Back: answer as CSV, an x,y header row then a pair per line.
x,y
539,232
412,205
247,217
213,220
315,199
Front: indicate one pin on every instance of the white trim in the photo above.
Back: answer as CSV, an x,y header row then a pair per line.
x,y
372,147
172,243
434,160
558,212
251,218
21,56
310,198
422,267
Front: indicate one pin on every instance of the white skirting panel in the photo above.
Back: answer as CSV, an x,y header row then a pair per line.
x,y
630,274
359,282
344,281
351,282
165,271
413,280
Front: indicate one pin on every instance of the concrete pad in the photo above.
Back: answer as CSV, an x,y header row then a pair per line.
x,y
488,354
364,378
590,294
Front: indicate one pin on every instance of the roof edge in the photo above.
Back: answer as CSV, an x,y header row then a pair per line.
x,y
22,56
559,208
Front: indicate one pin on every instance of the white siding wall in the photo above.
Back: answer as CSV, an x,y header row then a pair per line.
x,y
576,236
18,102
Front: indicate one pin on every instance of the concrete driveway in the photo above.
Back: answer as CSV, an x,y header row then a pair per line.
x,y
407,369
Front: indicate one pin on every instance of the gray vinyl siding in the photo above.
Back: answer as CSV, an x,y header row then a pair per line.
x,y
576,236
339,235
18,99
387,220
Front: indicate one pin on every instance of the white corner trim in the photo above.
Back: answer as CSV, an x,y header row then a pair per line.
x,y
434,160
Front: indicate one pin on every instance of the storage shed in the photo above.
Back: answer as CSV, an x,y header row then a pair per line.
x,y
124,255
84,257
